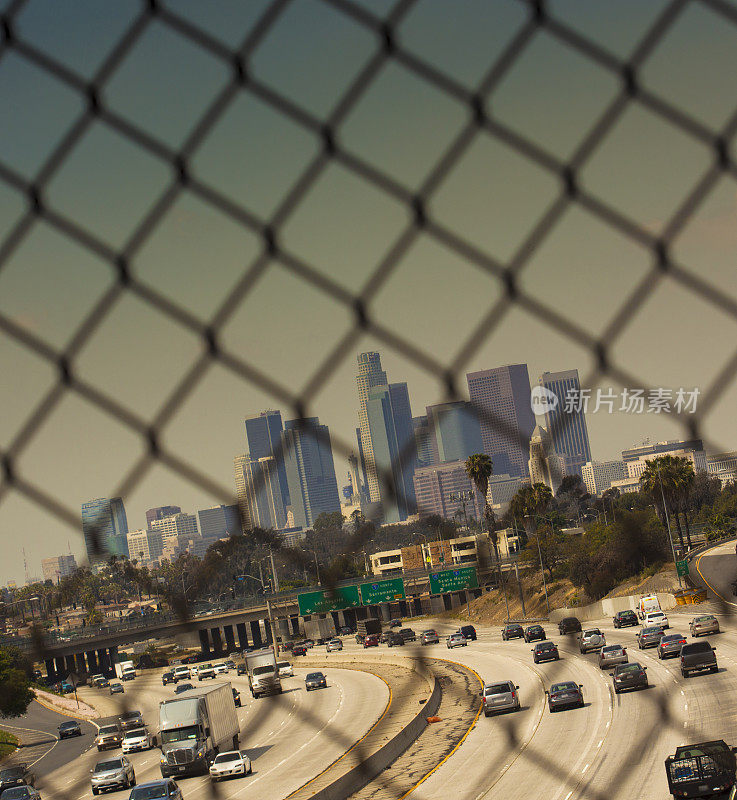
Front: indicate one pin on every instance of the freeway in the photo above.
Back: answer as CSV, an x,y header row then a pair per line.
x,y
718,569
290,738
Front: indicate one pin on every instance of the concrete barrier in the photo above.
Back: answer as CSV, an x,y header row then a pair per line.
x,y
609,607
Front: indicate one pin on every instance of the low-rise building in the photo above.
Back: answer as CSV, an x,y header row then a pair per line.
x,y
598,475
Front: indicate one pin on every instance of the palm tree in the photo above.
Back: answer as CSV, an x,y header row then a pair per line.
x,y
684,481
479,468
661,479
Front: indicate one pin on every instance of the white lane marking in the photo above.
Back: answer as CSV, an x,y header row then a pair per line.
x,y
568,796
585,768
601,742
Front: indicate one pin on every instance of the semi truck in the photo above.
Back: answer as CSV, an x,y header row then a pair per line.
x,y
125,670
702,770
319,629
263,673
367,627
194,727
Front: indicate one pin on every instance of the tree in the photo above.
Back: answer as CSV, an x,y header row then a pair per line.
x,y
531,501
479,468
667,480
328,520
15,691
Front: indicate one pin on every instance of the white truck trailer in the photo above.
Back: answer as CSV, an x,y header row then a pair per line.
x,y
263,674
125,670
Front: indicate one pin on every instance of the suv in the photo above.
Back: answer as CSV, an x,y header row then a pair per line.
x,y
166,789
114,774
696,657
500,697
167,677
569,625
624,618
109,736
130,719
469,632
592,639
394,639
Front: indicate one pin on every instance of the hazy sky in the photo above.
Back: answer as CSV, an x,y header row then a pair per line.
x,y
344,226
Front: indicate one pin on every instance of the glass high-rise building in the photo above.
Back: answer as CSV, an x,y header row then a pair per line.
x,y
502,397
370,374
455,432
105,517
259,492
567,429
263,435
219,522
308,458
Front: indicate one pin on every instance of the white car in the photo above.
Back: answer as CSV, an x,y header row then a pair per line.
x,y
219,668
655,618
285,669
137,739
193,672
229,765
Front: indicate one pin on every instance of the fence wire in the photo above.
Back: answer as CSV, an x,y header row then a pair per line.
x,y
361,304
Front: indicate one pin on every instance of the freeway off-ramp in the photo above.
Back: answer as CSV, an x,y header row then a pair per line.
x,y
614,747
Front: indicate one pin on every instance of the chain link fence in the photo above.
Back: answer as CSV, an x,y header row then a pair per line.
x,y
383,24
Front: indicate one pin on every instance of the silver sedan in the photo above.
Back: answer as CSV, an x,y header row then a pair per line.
x,y
612,655
699,626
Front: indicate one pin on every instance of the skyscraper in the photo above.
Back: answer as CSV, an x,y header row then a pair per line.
x,y
503,393
259,492
426,454
455,432
370,374
545,465
219,522
263,435
105,517
160,513
567,428
178,533
308,458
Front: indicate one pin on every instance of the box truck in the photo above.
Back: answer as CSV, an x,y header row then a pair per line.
x,y
319,629
194,727
125,670
263,674
367,627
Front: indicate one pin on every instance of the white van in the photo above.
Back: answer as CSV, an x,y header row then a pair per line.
x,y
648,603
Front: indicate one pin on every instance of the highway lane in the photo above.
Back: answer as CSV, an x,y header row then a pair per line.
x,y
290,738
718,567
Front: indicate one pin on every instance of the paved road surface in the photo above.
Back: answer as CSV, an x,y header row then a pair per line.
x,y
718,568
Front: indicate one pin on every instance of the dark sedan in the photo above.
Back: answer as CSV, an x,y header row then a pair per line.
x,y
565,695
315,680
394,639
534,633
19,775
649,637
624,618
513,631
168,677
545,651
299,650
69,729
670,645
182,687
569,625
629,676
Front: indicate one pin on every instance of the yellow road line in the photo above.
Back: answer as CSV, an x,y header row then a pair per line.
x,y
698,569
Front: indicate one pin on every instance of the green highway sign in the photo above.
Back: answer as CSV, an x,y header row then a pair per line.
x,y
322,602
453,580
682,568
382,591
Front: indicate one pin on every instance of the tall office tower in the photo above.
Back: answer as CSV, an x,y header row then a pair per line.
x,y
58,567
146,546
545,465
308,458
567,428
455,432
356,485
263,435
259,492
439,487
426,452
392,437
503,393
370,374
219,522
160,513
106,516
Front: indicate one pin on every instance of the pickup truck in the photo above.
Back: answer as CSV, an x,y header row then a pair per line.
x,y
701,770
696,657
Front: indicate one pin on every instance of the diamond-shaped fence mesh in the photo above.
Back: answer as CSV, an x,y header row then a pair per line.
x,y
321,129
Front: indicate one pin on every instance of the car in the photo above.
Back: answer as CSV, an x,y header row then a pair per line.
x,y
706,623
241,669
498,697
591,639
384,637
117,773
97,679
569,625
315,680
230,764
182,687
130,719
408,635
395,639
512,631
230,664
285,669
116,688
649,637
22,793
345,630
153,790
104,683
612,654
629,676
395,623
137,739
566,694
17,775
333,645
656,618
167,677
299,650
287,646
66,688
429,637
68,729
109,737
697,657
455,640
308,643
670,645
545,651
624,618
372,640
219,669
207,671
534,633
193,670
359,638
236,697
469,632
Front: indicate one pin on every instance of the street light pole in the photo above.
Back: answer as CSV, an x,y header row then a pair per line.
x,y
540,553
670,535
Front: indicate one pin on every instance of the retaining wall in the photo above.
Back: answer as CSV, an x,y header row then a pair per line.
x,y
609,607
